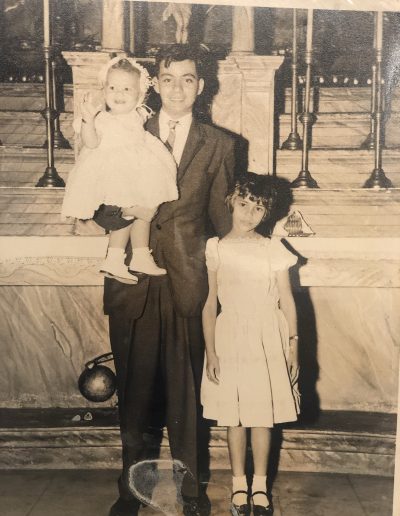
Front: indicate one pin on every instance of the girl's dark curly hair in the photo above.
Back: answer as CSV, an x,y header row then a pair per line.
x,y
258,188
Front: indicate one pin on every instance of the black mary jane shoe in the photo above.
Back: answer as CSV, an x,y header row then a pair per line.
x,y
260,510
240,510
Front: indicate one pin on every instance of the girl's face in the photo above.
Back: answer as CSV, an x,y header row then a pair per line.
x,y
121,91
247,214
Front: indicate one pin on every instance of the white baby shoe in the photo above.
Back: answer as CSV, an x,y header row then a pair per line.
x,y
142,261
114,267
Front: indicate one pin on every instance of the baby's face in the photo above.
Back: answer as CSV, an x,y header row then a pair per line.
x,y
121,91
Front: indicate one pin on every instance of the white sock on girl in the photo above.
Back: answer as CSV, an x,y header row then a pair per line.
x,y
239,484
259,484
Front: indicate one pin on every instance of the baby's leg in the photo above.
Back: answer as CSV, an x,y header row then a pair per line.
x,y
119,238
114,264
142,261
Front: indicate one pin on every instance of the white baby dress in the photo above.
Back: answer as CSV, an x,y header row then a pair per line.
x,y
251,336
129,167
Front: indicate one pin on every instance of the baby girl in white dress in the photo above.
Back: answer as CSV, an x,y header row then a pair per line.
x,y
121,168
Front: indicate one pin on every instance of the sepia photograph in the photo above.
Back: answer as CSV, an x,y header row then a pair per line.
x,y
199,257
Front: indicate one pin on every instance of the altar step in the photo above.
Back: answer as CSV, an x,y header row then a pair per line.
x,y
21,166
28,128
20,96
339,168
342,130
339,441
30,211
341,99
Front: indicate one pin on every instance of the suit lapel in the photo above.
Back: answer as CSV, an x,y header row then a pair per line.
x,y
194,142
153,126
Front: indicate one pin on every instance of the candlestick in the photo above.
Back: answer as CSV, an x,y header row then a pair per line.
x,y
379,29
46,22
310,13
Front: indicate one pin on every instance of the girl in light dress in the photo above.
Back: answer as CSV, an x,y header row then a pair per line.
x,y
121,169
251,368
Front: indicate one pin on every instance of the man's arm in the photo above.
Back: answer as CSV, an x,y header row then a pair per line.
x,y
223,181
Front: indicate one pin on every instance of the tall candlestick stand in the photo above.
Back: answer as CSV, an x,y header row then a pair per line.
x,y
50,178
304,179
369,142
59,141
293,141
378,178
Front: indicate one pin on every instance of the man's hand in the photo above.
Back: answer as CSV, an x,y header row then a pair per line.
x,y
139,212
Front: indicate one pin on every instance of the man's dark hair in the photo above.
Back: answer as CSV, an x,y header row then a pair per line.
x,y
181,52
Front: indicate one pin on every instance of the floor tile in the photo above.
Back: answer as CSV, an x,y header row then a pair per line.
x,y
375,494
20,490
92,492
78,493
313,494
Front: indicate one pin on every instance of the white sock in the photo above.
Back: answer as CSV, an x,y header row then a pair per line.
x,y
239,484
259,484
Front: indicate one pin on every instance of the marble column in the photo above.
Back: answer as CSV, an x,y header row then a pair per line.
x,y
242,31
245,104
113,36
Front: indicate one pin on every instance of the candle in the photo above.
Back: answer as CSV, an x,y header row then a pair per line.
x,y
309,30
379,29
294,50
46,22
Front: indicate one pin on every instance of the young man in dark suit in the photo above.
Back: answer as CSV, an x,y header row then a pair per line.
x,y
155,326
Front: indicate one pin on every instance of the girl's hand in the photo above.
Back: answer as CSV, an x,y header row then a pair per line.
x,y
88,110
293,362
213,368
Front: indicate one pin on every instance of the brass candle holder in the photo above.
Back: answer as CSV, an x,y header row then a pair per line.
x,y
304,179
50,178
378,178
293,141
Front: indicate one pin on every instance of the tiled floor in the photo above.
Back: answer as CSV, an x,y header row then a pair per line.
x,y
90,493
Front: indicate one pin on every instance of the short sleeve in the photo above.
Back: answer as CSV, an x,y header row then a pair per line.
x,y
212,258
281,257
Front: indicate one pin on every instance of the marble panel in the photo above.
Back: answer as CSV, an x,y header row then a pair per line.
x,y
47,335
356,348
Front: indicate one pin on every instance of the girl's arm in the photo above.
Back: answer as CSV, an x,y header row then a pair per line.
x,y
209,317
89,135
288,307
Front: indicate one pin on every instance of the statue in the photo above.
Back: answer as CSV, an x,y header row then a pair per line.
x,y
181,13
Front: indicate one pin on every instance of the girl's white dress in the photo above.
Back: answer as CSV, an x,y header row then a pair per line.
x,y
129,167
251,335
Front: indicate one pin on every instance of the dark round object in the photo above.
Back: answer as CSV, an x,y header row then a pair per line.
x,y
97,383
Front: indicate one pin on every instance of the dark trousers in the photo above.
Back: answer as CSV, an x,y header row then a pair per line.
x,y
159,341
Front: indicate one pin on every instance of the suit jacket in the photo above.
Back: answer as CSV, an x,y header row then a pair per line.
x,y
180,229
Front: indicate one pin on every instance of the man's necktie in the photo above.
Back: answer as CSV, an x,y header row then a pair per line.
x,y
169,142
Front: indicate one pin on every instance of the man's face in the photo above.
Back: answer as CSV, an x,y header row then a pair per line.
x,y
178,86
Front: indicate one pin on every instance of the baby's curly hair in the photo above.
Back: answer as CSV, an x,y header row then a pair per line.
x,y
125,66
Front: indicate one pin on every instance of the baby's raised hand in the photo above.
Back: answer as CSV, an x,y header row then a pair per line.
x,y
88,109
